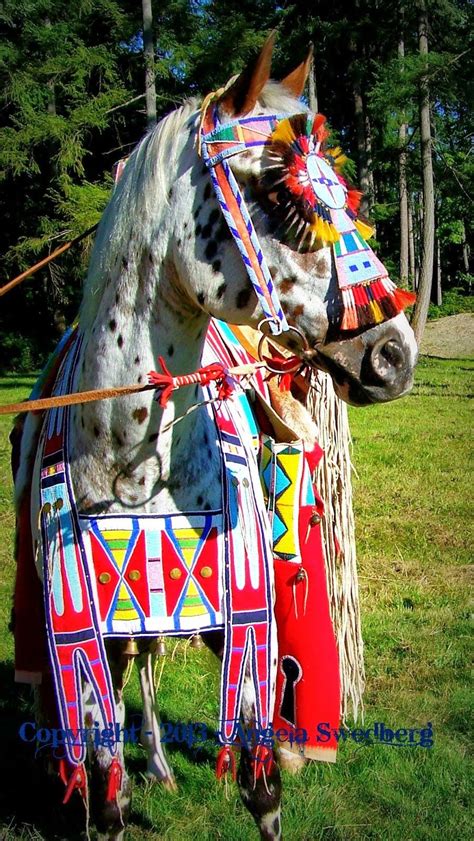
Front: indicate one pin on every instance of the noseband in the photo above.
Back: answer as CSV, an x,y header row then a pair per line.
x,y
305,182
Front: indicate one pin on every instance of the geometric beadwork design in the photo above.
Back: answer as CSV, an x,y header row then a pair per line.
x,y
156,573
285,486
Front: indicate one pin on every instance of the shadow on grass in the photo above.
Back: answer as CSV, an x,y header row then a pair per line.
x,y
27,794
197,751
30,799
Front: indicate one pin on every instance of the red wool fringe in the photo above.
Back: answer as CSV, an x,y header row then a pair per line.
x,y
368,304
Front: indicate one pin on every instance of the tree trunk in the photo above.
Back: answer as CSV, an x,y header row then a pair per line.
x,y
420,312
149,51
465,250
368,149
312,88
402,178
360,126
413,268
438,295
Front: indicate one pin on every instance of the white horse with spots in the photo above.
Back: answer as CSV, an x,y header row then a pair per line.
x,y
163,264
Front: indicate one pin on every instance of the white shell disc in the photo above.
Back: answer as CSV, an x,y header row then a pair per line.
x,y
324,182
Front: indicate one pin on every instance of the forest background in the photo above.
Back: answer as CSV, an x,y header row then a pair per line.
x,y
394,80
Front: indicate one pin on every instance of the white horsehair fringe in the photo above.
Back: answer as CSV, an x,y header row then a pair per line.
x,y
334,482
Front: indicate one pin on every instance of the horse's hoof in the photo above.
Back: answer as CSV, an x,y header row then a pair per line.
x,y
169,783
291,761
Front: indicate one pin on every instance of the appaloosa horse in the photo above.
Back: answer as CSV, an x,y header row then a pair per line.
x,y
164,262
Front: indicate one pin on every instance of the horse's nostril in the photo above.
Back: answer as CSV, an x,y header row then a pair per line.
x,y
387,360
393,353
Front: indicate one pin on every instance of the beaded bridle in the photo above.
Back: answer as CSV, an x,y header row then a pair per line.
x,y
305,182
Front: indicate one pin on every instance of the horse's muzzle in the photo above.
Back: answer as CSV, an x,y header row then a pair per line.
x,y
373,367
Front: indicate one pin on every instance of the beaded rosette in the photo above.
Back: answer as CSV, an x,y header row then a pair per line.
x,y
305,182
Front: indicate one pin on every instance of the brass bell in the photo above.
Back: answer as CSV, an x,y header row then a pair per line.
x,y
160,647
157,646
197,641
131,649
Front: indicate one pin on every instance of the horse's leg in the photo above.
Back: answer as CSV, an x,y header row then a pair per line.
x,y
109,816
260,794
157,765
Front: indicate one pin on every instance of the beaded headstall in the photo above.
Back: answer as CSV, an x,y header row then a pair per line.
x,y
305,182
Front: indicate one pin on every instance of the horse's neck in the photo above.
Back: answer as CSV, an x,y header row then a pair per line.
x,y
127,454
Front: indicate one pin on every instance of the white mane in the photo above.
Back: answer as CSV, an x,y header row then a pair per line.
x,y
140,198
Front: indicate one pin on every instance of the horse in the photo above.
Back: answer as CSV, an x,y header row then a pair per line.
x,y
164,263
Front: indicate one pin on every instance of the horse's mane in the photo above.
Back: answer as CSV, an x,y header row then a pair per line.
x,y
140,198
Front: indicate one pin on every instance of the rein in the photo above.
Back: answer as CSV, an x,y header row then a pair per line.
x,y
44,262
164,383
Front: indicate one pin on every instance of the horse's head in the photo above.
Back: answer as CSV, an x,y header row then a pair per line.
x,y
369,362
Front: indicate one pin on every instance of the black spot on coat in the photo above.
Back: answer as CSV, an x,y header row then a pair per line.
x,y
211,249
243,297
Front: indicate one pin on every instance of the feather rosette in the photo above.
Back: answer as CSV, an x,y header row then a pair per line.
x,y
305,180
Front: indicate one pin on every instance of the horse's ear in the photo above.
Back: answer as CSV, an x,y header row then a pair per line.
x,y
296,80
241,97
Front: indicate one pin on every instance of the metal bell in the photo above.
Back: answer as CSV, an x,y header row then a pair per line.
x,y
131,649
197,641
160,647
157,646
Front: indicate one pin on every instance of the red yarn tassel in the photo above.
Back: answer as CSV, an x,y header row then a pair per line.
x,y
166,383
77,781
404,298
225,763
163,381
262,758
115,780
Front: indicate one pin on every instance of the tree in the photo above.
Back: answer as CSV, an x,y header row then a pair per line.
x,y
149,50
420,312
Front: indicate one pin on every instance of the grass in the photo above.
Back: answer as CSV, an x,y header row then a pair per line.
x,y
413,516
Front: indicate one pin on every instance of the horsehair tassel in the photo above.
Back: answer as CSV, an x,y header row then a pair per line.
x,y
225,763
372,302
215,372
115,780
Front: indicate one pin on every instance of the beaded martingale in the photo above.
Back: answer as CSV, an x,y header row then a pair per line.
x,y
118,575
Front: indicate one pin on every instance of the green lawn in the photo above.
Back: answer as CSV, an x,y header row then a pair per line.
x,y
413,519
